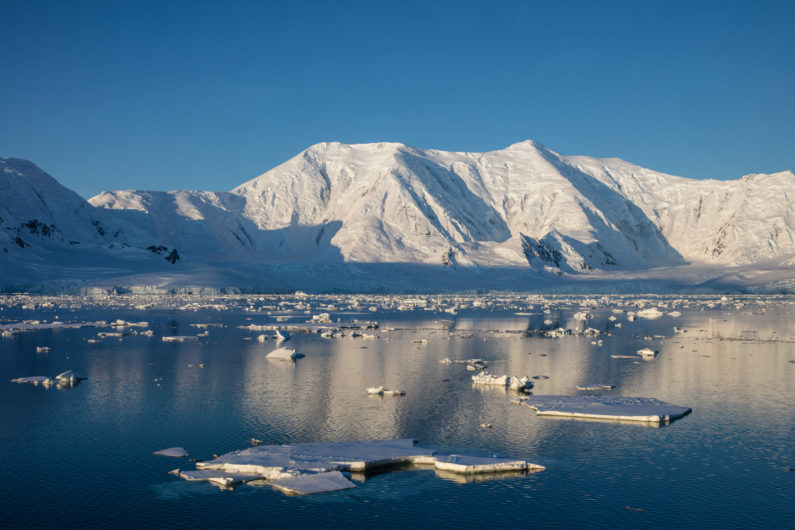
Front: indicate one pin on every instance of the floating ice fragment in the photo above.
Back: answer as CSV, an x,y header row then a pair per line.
x,y
381,391
594,387
481,464
180,338
282,335
513,382
283,354
650,313
647,353
68,377
599,407
176,452
36,380
42,349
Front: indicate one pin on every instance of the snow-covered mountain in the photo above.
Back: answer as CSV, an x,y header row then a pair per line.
x,y
526,209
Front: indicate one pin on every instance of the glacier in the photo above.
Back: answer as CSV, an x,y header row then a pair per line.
x,y
386,217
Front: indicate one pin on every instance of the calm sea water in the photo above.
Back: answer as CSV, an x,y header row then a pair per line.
x,y
82,457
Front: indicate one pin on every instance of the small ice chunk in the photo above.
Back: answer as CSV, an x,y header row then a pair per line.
x,y
180,338
42,349
647,353
675,314
309,483
381,391
282,354
594,386
176,452
262,338
650,313
282,335
68,377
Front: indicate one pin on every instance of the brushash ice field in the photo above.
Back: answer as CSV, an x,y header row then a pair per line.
x,y
398,411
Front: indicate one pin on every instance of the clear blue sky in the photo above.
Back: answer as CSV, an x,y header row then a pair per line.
x,y
205,95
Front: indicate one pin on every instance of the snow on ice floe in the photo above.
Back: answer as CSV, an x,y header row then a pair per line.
x,y
306,468
309,483
219,478
622,408
176,452
283,354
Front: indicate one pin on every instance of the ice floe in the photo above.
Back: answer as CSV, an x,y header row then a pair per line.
x,y
594,386
176,452
306,468
625,408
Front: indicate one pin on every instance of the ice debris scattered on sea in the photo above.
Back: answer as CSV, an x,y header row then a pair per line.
x,y
381,391
176,452
623,408
513,382
316,467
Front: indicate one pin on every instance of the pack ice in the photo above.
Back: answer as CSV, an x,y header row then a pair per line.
x,y
306,468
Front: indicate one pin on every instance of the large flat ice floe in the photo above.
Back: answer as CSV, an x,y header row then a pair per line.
x,y
622,408
316,467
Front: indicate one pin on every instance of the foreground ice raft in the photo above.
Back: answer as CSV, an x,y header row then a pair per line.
x,y
316,467
621,408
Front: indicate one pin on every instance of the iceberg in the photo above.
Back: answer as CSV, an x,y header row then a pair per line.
x,y
626,408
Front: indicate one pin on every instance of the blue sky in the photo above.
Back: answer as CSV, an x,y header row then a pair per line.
x,y
205,95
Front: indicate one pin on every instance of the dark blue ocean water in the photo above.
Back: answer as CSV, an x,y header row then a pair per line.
x,y
82,457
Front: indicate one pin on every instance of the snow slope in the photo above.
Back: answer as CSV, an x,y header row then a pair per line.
x,y
523,208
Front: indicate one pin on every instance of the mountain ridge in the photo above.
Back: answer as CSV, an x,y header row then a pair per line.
x,y
525,207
